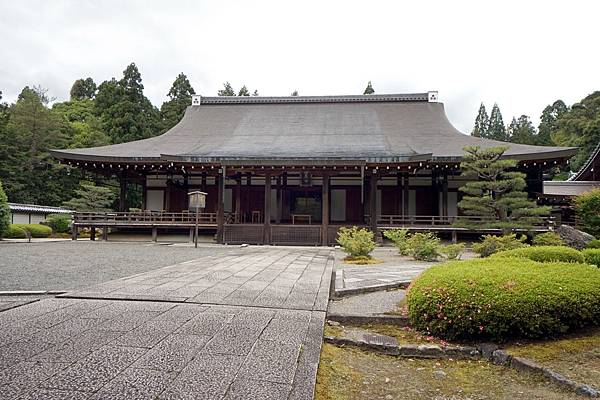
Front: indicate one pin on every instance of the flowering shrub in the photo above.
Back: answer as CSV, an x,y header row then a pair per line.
x,y
356,242
544,254
491,244
503,298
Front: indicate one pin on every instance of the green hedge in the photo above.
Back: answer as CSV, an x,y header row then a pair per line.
x,y
15,232
504,298
547,239
592,256
36,230
59,223
544,254
593,244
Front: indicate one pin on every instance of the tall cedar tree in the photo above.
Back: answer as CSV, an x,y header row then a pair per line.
x,y
496,192
29,173
522,131
255,93
89,197
227,90
126,114
4,212
497,130
549,122
83,89
85,126
294,93
482,123
180,97
369,89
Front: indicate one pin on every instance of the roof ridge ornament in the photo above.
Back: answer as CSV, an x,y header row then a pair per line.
x,y
196,99
432,96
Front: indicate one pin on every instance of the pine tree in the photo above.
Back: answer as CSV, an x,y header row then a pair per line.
x,y
227,90
244,91
83,89
369,89
180,97
482,123
294,93
549,122
4,212
497,130
255,93
495,192
90,197
126,114
522,131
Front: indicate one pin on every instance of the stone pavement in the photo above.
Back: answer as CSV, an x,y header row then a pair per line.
x,y
241,326
367,304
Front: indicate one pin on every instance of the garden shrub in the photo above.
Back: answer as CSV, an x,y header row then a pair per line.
x,y
592,256
453,251
547,239
491,244
36,230
58,222
15,232
4,213
400,239
587,208
501,299
424,246
544,254
356,242
594,244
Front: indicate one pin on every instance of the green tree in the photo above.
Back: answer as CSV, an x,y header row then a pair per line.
x,y
255,93
244,91
522,131
85,127
83,89
482,123
180,97
294,93
369,89
89,197
497,130
4,212
125,113
227,90
549,122
29,174
495,191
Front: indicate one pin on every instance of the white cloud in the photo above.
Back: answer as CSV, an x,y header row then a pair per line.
x,y
523,55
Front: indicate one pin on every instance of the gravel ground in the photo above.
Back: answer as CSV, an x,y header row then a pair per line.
x,y
73,265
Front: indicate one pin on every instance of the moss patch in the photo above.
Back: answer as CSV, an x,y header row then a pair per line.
x,y
361,260
347,373
577,356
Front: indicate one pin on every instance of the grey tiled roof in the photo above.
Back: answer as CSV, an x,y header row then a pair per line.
x,y
36,209
371,128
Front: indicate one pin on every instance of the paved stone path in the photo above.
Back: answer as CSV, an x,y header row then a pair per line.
x,y
368,304
241,326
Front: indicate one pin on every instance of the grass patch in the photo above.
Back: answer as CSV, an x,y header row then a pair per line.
x,y
348,373
362,260
577,355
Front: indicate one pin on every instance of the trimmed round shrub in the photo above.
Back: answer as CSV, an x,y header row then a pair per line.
x,y
15,232
36,230
491,244
498,299
592,256
587,208
58,222
547,239
356,242
544,254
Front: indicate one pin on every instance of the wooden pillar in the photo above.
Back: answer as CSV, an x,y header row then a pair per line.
x,y
445,194
154,233
435,189
238,198
105,233
93,233
373,202
192,235
203,182
267,216
144,194
405,193
220,210
123,192
324,209
278,205
75,231
399,193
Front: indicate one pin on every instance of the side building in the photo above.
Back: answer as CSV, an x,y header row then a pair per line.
x,y
295,169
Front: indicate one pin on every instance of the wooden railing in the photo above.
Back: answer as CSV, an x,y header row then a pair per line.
x,y
144,218
439,220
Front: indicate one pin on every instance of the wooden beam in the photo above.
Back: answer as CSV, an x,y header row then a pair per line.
x,y
445,194
238,198
278,188
373,202
267,216
123,192
220,210
324,209
405,193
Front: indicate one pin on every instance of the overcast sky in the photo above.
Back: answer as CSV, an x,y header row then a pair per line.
x,y
521,54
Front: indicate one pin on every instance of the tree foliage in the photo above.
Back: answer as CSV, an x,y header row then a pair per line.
x,y
369,89
83,89
549,121
4,212
180,97
244,91
227,90
89,197
496,129
522,131
482,123
498,193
